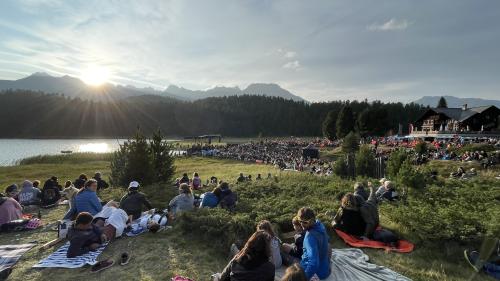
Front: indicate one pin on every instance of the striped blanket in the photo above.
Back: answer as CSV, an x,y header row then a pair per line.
x,y
10,254
59,259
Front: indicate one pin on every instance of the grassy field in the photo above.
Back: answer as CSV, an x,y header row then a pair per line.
x,y
197,252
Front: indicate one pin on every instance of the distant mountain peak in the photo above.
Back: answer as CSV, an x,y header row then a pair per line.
x,y
41,74
454,102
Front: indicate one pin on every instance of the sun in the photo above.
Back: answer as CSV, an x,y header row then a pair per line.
x,y
95,75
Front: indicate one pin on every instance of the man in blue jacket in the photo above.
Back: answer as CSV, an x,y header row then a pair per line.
x,y
316,256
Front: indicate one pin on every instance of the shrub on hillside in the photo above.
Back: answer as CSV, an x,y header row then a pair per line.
x,y
340,167
421,148
141,160
365,161
410,176
350,143
476,147
395,161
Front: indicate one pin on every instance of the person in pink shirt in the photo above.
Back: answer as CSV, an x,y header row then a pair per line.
x,y
10,209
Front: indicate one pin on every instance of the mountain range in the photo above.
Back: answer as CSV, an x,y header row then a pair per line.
x,y
74,87
452,101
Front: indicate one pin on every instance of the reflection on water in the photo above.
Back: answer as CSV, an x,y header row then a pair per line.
x,y
94,147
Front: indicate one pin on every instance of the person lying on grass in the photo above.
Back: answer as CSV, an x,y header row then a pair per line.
x,y
84,236
182,202
133,201
276,259
292,253
317,250
252,262
111,220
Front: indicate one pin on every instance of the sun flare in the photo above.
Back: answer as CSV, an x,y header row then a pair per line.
x,y
94,147
95,75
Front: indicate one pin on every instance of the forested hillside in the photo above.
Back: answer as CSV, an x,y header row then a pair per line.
x,y
32,114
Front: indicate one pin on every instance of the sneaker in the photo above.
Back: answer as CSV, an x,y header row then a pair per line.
x,y
124,259
102,265
472,257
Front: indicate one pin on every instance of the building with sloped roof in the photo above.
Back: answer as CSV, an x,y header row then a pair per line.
x,y
475,120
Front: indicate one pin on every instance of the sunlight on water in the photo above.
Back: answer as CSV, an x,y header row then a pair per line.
x,y
94,147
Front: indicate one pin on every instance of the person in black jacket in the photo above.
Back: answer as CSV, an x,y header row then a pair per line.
x,y
84,236
292,253
80,181
101,184
133,201
252,262
348,217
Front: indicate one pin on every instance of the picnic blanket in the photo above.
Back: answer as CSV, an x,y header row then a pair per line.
x,y
403,246
10,254
352,264
59,259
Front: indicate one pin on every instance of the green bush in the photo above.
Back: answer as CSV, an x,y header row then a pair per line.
x,y
421,148
365,161
350,143
340,167
395,161
141,160
410,175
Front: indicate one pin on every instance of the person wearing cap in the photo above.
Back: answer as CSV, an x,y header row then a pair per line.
x,y
29,195
133,201
12,191
86,199
316,248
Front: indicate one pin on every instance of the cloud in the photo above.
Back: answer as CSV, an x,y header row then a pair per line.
x,y
392,24
292,65
290,54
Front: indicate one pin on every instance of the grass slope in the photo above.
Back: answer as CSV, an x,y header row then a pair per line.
x,y
194,250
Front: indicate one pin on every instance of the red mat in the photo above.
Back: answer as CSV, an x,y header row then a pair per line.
x,y
403,245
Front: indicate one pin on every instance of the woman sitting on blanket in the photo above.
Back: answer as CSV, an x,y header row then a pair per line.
x,y
84,236
252,262
292,253
276,259
10,209
182,202
317,251
348,217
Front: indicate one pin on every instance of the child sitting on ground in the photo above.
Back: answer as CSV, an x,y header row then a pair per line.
x,y
275,243
292,253
84,236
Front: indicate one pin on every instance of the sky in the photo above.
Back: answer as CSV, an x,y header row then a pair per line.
x,y
389,50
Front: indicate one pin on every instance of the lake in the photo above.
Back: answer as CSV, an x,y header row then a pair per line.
x,y
12,150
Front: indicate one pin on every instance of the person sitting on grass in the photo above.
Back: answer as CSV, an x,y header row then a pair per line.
x,y
29,195
12,191
292,253
275,243
86,199
348,217
228,198
84,236
241,178
359,190
133,201
51,193
101,184
10,209
252,262
259,177
294,273
388,193
317,251
196,182
381,188
211,199
487,259
185,179
182,202
80,181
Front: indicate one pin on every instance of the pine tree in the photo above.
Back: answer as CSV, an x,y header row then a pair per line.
x,y
365,161
350,143
162,160
345,122
329,125
442,103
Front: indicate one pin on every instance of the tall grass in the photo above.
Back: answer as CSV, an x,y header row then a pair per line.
x,y
72,158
